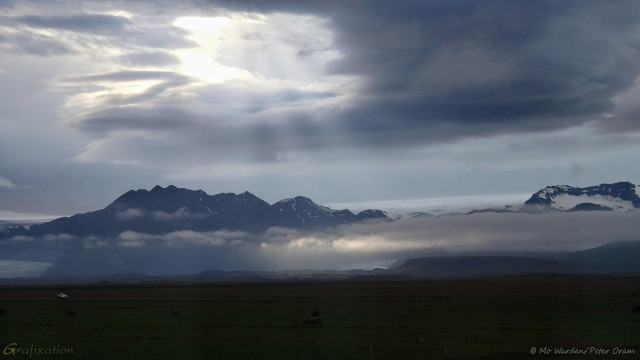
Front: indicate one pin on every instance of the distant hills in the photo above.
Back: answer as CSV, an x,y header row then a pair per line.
x,y
612,257
608,259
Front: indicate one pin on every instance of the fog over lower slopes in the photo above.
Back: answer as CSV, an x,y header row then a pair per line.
x,y
487,232
364,245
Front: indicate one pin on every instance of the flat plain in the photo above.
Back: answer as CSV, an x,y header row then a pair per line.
x,y
523,317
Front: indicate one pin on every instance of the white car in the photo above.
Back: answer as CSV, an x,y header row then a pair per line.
x,y
62,296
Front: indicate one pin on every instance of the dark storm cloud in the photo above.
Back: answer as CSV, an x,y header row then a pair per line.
x,y
495,67
441,70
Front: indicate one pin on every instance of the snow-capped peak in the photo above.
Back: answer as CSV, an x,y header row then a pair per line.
x,y
622,196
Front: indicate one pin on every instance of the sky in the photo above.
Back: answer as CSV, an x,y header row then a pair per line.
x,y
346,102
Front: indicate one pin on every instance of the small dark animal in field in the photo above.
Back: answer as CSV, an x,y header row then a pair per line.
x,y
176,312
2,311
636,310
70,313
313,320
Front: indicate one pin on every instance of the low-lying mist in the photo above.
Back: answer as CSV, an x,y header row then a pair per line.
x,y
477,233
363,245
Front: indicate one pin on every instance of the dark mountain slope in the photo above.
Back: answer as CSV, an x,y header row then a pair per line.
x,y
163,210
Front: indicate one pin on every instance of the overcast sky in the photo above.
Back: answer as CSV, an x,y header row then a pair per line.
x,y
340,101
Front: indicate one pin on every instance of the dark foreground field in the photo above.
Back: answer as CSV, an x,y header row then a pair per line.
x,y
502,318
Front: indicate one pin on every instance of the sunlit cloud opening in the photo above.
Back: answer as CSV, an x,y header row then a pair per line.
x,y
198,64
201,62
269,71
257,47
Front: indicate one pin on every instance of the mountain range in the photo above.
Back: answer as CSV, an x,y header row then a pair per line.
x,y
161,232
163,210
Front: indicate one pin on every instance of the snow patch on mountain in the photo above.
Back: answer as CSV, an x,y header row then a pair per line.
x,y
567,202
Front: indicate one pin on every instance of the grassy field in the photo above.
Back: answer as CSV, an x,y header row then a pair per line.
x,y
501,318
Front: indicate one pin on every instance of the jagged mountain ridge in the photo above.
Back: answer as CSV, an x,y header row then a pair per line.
x,y
621,196
163,210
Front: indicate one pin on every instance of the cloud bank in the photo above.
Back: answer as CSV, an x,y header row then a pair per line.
x,y
368,245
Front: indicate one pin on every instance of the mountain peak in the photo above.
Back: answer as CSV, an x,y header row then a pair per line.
x,y
160,188
157,188
620,196
248,195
